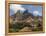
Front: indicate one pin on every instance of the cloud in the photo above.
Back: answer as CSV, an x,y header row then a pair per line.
x,y
35,13
16,7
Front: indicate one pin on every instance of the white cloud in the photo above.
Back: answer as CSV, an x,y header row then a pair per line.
x,y
16,7
35,13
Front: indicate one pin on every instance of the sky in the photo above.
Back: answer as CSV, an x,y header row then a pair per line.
x,y
35,10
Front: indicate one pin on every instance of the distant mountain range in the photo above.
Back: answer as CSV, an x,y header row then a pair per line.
x,y
25,16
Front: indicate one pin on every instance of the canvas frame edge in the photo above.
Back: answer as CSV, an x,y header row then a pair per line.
x,y
21,2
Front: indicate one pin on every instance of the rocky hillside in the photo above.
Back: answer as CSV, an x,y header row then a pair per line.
x,y
21,22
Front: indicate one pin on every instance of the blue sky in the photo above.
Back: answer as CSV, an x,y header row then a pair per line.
x,y
35,10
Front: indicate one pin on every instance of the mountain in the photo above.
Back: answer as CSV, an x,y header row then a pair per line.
x,y
25,22
25,16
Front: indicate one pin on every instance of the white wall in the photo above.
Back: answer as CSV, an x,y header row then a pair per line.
x,y
2,18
